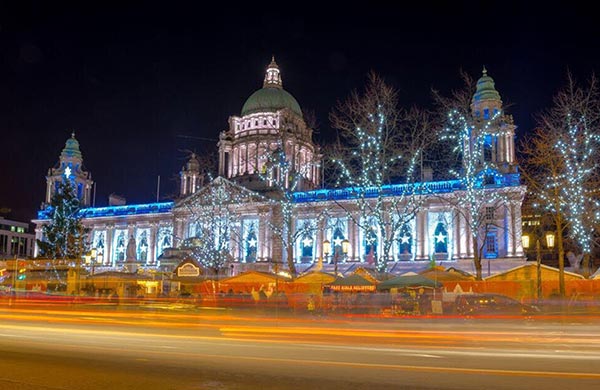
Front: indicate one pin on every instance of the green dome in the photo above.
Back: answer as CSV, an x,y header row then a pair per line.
x,y
71,148
485,89
270,99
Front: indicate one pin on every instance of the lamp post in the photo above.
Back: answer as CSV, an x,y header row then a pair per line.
x,y
538,253
94,258
336,254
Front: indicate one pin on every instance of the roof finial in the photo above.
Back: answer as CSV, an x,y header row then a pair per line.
x,y
272,76
484,71
73,134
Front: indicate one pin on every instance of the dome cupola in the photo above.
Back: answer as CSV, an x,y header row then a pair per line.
x,y
71,149
486,101
271,97
486,89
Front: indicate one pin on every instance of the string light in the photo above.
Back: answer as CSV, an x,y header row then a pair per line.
x,y
366,174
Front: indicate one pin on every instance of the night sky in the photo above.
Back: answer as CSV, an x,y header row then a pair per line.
x,y
136,81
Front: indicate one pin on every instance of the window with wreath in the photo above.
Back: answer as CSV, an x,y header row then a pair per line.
x,y
440,238
405,241
142,244
370,240
164,239
120,245
250,247
305,241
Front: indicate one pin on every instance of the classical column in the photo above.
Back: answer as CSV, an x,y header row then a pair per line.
x,y
256,154
221,162
354,237
518,230
509,221
263,236
38,236
152,243
48,190
320,238
184,185
464,249
457,236
421,238
110,236
469,235
178,231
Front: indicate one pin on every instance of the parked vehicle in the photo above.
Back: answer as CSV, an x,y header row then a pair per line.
x,y
491,304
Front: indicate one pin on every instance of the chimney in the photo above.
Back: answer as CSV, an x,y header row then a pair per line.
x,y
116,200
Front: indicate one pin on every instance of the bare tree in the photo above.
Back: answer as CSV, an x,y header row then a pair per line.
x,y
379,144
563,171
283,180
542,170
482,193
215,224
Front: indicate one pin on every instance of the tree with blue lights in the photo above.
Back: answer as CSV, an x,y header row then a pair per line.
x,y
379,144
64,237
542,168
481,198
215,223
478,202
566,182
283,179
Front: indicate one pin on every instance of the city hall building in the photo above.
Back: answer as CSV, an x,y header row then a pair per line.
x,y
272,118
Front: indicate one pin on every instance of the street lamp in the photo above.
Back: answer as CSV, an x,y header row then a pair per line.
x,y
336,254
94,257
549,244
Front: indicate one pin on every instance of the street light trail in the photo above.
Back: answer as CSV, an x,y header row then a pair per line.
x,y
365,353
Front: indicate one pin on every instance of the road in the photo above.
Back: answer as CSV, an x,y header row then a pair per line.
x,y
129,348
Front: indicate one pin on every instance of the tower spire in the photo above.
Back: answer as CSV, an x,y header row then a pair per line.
x,y
272,75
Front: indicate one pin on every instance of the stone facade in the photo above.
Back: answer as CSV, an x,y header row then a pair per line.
x,y
271,119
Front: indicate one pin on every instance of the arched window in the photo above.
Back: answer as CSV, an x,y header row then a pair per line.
x,y
370,241
305,243
338,238
491,245
251,243
307,246
142,245
405,242
440,238
120,245
164,239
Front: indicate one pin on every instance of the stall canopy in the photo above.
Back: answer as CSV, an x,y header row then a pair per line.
x,y
315,277
449,275
408,281
352,283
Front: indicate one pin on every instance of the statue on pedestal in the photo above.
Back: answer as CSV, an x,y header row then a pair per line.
x,y
131,255
131,259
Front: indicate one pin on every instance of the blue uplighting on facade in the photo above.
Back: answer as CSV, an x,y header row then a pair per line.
x,y
113,211
434,187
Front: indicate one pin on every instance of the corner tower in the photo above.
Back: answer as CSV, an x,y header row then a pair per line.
x,y
70,166
191,180
486,107
270,119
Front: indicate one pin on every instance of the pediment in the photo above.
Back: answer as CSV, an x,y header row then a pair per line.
x,y
221,190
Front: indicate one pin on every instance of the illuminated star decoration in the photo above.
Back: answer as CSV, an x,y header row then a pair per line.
x,y
252,242
307,241
337,241
404,239
440,237
68,172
